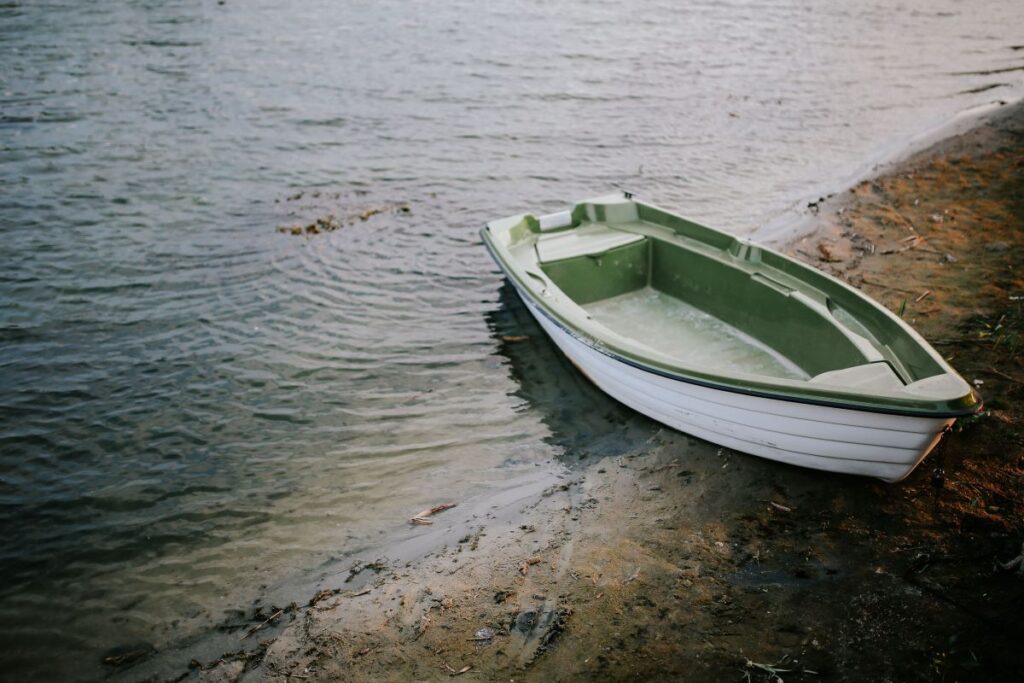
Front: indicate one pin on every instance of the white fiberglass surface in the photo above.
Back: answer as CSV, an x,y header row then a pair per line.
x,y
691,336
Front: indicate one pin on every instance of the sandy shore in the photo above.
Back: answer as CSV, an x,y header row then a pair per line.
x,y
680,561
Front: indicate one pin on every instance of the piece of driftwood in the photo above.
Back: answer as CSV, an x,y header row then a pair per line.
x,y
421,517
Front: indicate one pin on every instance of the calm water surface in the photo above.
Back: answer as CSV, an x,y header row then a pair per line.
x,y
195,406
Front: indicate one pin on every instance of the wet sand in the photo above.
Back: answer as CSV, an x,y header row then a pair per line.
x,y
676,561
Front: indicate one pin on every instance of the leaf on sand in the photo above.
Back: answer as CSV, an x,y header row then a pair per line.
x,y
526,565
826,255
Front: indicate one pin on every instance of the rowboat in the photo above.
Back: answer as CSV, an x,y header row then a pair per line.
x,y
730,341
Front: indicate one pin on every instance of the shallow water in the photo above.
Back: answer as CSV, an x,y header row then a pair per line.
x,y
195,405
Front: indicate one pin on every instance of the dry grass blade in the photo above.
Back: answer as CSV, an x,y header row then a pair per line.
x,y
911,242
257,627
461,671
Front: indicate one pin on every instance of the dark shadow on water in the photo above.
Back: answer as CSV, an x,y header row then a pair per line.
x,y
585,422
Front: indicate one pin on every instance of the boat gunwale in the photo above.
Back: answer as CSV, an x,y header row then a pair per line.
x,y
811,395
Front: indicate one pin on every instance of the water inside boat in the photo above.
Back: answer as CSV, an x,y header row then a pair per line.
x,y
690,335
718,307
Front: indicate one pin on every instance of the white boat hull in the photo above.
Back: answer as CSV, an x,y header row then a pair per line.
x,y
821,437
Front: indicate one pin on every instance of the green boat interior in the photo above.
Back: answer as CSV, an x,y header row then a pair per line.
x,y
656,286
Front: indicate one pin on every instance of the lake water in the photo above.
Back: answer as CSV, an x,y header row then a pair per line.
x,y
197,408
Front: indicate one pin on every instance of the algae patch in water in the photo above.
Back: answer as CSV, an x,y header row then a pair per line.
x,y
330,222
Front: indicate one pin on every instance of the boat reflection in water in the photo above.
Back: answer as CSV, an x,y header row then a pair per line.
x,y
585,423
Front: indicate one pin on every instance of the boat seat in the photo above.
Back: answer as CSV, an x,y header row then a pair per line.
x,y
590,240
876,377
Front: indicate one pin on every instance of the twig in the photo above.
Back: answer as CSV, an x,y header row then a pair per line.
x,y
774,670
923,295
906,222
879,284
269,619
768,668
914,241
421,517
1017,562
943,594
778,506
997,373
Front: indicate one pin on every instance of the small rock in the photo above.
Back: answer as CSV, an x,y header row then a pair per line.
x,y
948,258
524,621
935,218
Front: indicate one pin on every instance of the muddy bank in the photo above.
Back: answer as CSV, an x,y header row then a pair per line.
x,y
677,560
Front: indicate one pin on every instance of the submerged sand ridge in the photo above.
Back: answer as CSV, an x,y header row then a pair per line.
x,y
678,560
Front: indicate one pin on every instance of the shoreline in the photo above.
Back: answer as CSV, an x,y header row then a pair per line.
x,y
676,559
800,219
